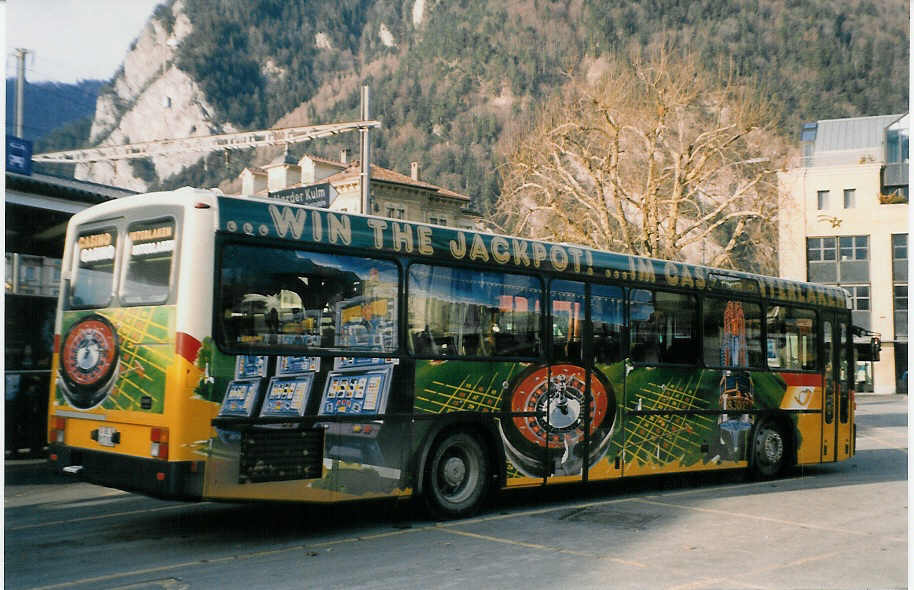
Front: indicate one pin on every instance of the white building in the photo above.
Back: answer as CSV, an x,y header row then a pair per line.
x,y
844,220
393,194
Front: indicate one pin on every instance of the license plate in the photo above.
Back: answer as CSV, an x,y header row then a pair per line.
x,y
108,436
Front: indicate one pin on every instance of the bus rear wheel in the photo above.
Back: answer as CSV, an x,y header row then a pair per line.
x,y
457,476
769,450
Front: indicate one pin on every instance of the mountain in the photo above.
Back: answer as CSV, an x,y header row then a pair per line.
x,y
452,82
50,105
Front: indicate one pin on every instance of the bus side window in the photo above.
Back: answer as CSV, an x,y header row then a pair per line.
x,y
607,314
459,312
732,333
791,338
663,327
644,345
568,314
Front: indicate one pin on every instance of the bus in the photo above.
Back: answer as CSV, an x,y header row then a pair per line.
x,y
240,348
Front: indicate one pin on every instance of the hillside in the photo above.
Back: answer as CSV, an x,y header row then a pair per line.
x,y
50,105
451,82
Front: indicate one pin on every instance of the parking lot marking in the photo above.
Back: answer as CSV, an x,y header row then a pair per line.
x,y
228,558
539,547
453,531
96,517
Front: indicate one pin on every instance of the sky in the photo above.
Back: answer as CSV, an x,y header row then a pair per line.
x,y
72,40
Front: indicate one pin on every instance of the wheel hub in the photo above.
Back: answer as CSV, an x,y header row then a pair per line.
x,y
773,447
454,471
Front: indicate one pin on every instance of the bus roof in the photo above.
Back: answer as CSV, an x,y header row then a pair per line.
x,y
276,219
272,218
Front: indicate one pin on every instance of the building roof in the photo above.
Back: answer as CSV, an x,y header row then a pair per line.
x,y
857,133
385,175
68,188
38,207
284,159
321,160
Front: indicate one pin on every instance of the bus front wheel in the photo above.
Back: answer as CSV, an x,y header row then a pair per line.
x,y
769,450
456,476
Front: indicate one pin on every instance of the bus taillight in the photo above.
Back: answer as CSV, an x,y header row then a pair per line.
x,y
158,447
58,427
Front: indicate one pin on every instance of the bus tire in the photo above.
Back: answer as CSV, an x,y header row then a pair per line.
x,y
770,450
457,476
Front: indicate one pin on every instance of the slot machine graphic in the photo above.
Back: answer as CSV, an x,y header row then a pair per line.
x,y
242,395
289,391
287,396
356,387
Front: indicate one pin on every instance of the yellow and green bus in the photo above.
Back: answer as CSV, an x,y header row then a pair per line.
x,y
235,348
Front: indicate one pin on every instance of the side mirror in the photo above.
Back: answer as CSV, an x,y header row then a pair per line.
x,y
868,351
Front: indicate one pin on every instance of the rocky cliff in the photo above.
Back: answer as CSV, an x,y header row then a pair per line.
x,y
151,99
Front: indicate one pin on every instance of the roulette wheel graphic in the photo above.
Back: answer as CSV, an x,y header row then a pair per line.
x,y
88,362
553,442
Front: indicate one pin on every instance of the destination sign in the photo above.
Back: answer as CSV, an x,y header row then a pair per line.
x,y
96,247
152,239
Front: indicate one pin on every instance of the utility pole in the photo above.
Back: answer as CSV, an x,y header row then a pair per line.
x,y
20,89
365,168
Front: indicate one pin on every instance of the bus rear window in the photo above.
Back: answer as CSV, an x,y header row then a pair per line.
x,y
151,245
94,277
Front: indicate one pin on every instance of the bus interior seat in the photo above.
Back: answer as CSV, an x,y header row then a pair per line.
x,y
422,343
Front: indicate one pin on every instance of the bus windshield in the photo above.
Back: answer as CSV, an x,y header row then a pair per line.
x,y
149,265
94,277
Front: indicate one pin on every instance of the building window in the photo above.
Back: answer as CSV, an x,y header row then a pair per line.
x,y
821,200
892,195
850,198
820,249
896,144
901,297
899,246
437,219
396,212
860,294
809,131
853,247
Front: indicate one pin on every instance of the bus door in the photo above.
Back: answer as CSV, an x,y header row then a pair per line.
x,y
843,374
830,346
580,407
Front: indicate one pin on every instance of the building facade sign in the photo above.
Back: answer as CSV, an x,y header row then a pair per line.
x,y
317,195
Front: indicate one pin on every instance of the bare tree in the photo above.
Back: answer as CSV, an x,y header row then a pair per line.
x,y
658,158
